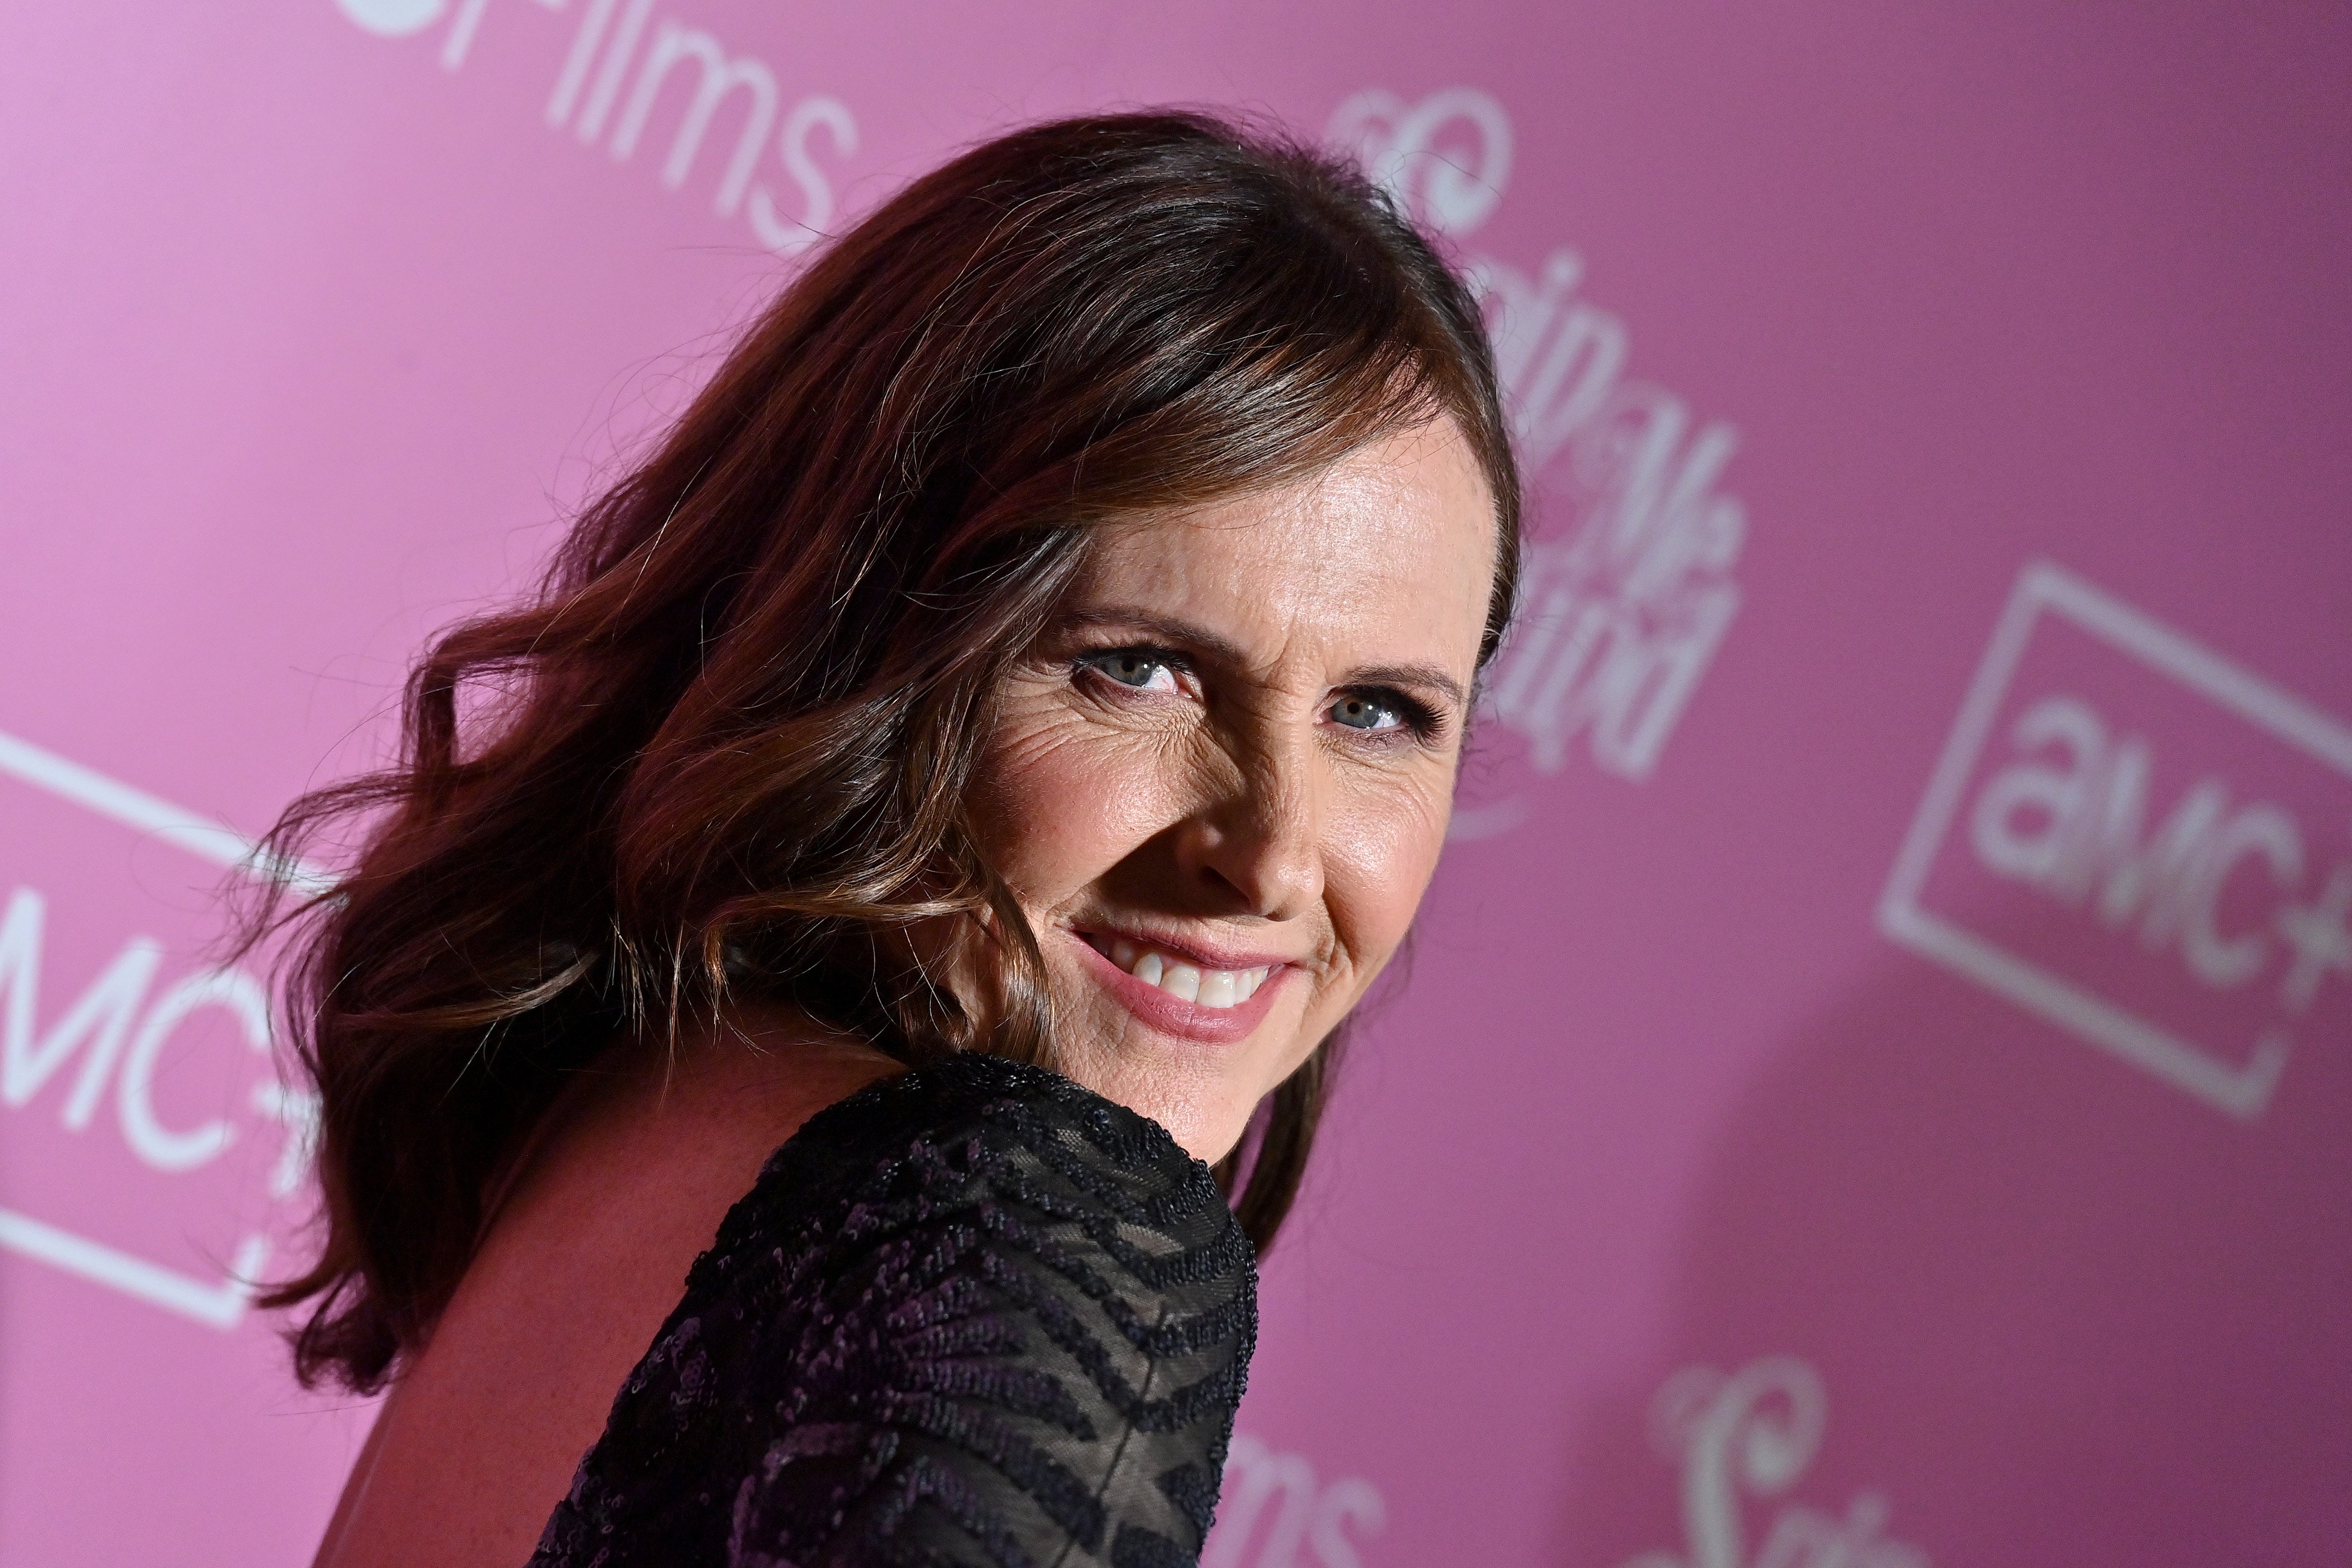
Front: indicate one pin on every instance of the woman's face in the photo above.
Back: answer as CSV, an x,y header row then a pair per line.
x,y
1219,787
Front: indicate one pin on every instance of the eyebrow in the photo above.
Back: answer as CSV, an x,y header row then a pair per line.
x,y
1175,629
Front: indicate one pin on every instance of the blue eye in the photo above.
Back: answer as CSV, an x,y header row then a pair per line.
x,y
1139,669
1358,713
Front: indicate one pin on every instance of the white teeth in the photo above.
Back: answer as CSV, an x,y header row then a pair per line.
x,y
1218,988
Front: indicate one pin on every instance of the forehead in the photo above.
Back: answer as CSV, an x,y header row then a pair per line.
x,y
1390,550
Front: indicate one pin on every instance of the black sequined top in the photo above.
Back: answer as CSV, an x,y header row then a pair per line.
x,y
972,1315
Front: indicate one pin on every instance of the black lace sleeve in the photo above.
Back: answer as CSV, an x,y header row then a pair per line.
x,y
974,1315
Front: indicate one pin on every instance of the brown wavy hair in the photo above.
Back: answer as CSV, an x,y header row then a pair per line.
x,y
723,750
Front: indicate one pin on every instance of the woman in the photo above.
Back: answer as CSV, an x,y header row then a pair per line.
x,y
900,877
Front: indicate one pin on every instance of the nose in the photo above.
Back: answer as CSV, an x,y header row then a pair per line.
x,y
1256,848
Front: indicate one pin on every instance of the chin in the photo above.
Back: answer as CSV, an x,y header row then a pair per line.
x,y
1190,1070
1171,1084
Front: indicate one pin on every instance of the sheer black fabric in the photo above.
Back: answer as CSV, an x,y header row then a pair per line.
x,y
974,1315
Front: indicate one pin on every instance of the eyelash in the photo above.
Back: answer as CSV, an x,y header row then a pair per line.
x,y
1415,719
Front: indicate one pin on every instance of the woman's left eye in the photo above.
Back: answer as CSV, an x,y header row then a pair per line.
x,y
1360,712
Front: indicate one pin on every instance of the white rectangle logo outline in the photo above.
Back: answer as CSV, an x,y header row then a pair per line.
x,y
2242,1091
217,1303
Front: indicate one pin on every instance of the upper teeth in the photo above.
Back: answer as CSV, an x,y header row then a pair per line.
x,y
1185,982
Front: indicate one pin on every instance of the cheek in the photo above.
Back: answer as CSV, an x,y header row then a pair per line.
x,y
1058,803
1382,854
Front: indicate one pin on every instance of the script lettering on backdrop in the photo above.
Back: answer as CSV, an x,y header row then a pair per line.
x,y
2140,841
1749,1437
1276,1513
1619,618
624,63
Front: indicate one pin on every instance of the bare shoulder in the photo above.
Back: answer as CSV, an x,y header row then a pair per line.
x,y
622,1188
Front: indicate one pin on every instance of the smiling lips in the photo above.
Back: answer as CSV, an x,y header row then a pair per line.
x,y
1216,988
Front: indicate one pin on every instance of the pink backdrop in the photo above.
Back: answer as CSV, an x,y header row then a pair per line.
x,y
1875,1082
